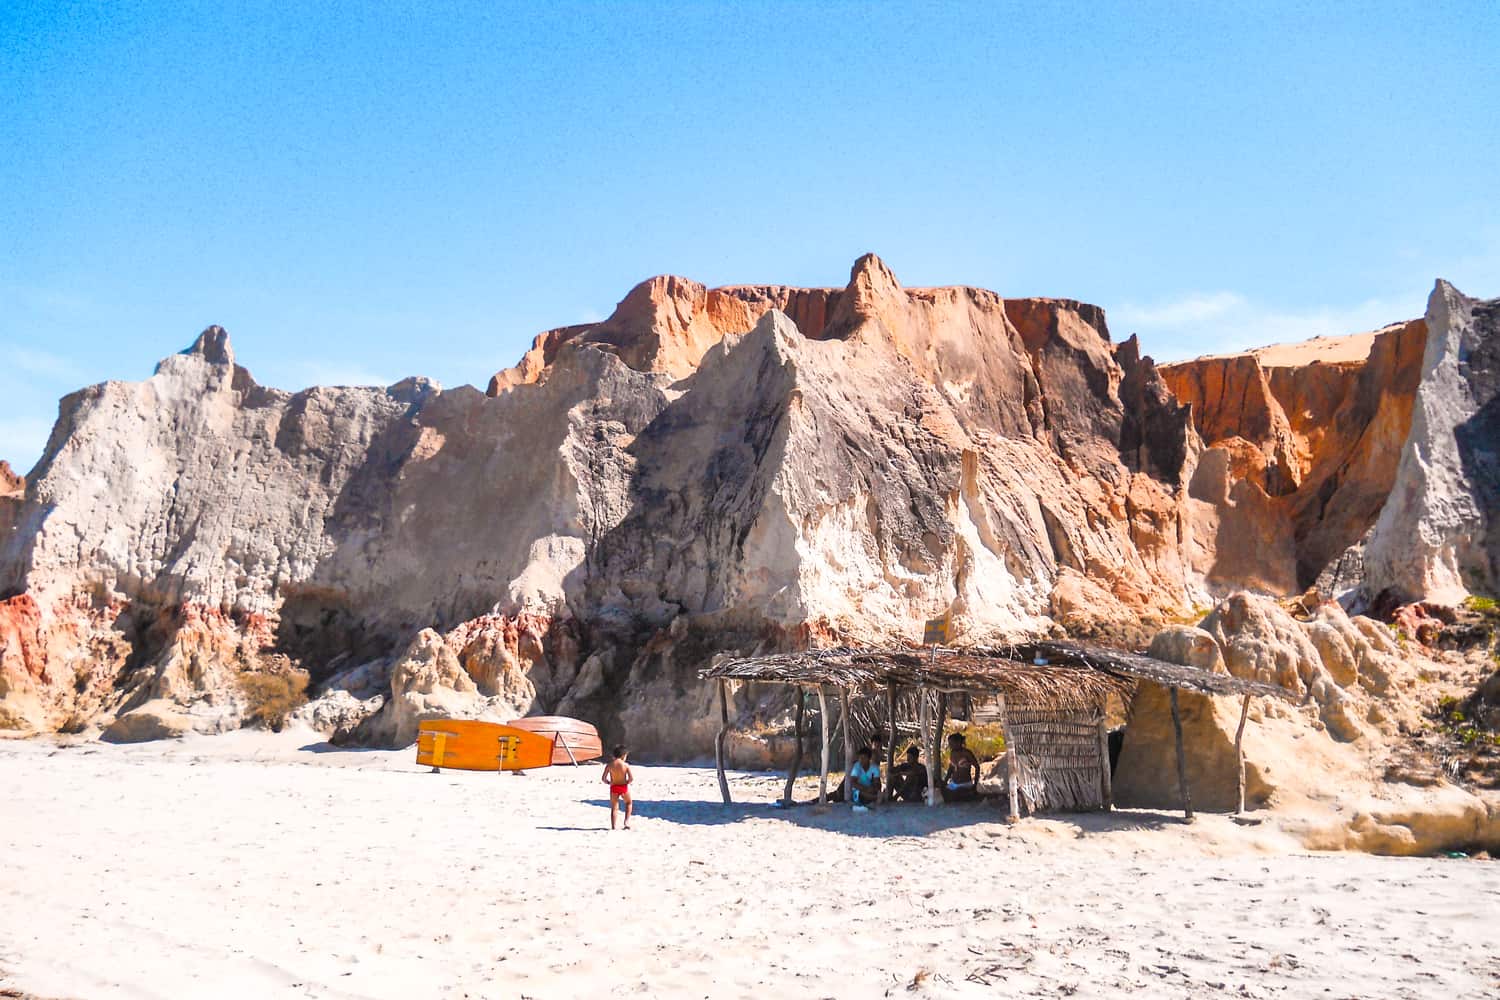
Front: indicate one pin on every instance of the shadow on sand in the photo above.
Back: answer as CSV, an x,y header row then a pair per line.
x,y
1120,820
326,747
899,819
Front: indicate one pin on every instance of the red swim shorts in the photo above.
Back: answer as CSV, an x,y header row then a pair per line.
x,y
618,789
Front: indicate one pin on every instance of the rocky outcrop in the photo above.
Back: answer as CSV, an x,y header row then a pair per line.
x,y
1312,449
337,714
159,719
1333,662
1301,450
427,682
708,470
1360,698
666,324
68,648
1146,774
1438,536
1334,765
1409,822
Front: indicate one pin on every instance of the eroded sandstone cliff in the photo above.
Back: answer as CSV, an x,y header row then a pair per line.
x,y
1438,537
1301,446
697,473
707,470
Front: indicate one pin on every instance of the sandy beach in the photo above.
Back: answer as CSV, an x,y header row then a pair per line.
x,y
260,865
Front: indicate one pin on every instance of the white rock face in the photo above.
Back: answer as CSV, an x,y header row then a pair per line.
x,y
336,714
197,484
426,683
1436,538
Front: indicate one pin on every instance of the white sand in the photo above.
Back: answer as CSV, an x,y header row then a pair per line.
x,y
242,866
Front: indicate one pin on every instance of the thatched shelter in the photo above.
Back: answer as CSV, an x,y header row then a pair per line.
x,y
1050,699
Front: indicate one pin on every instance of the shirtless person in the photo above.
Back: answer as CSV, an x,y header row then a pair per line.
x,y
617,775
960,781
909,779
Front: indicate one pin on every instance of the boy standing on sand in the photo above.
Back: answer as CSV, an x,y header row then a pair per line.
x,y
617,775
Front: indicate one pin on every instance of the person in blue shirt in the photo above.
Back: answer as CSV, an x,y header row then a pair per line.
x,y
877,754
864,781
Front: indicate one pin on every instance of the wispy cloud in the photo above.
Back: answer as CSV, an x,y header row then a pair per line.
x,y
1217,322
42,364
1185,311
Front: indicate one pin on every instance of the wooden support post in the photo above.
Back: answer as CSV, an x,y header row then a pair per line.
x,y
1012,762
925,715
1239,758
937,735
942,718
1106,779
719,741
848,744
886,789
823,722
1182,779
791,777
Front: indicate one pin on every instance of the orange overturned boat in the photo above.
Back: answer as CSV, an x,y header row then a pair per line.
x,y
573,740
522,745
472,745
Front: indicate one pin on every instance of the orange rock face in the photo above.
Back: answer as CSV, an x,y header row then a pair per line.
x,y
1302,445
666,324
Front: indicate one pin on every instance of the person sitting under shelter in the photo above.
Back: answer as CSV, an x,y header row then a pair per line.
x,y
877,753
909,778
864,781
960,781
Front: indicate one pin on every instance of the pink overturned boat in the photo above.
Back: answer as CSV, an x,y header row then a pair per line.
x,y
573,741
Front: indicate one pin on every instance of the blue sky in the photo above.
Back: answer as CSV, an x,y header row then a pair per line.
x,y
362,192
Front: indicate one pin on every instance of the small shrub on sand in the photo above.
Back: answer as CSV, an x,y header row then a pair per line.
x,y
987,741
272,697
